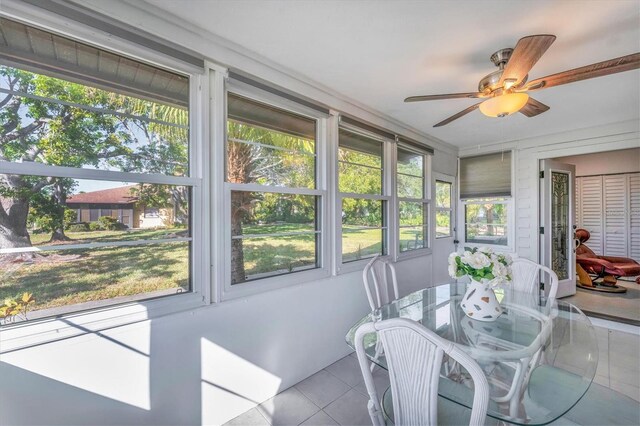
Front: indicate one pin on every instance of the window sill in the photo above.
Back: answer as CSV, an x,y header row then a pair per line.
x,y
494,247
38,332
412,254
357,265
276,282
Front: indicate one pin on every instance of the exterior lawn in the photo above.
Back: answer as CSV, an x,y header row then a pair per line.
x,y
67,277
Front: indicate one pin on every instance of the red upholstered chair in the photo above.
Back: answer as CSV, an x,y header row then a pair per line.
x,y
604,266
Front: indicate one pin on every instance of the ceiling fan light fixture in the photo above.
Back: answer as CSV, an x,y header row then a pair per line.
x,y
503,105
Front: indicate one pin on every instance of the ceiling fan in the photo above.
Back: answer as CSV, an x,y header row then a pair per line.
x,y
505,88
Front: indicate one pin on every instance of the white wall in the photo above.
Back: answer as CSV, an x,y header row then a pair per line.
x,y
203,366
603,163
209,364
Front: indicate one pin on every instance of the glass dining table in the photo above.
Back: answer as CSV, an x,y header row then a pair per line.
x,y
539,358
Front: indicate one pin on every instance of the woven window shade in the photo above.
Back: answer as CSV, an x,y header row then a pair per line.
x,y
262,115
42,52
359,143
485,176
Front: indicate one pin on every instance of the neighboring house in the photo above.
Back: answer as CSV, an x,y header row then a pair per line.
x,y
119,203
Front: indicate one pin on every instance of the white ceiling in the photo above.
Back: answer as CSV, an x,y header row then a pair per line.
x,y
379,52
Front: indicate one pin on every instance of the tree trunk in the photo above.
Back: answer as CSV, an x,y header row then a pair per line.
x,y
238,273
239,168
490,227
59,198
13,223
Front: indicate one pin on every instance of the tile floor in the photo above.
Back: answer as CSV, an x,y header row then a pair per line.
x,y
616,306
336,395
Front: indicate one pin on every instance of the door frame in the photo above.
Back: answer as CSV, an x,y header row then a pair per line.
x,y
567,286
527,154
442,177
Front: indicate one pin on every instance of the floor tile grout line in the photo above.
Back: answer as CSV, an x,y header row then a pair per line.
x,y
337,422
260,412
334,400
310,416
301,393
325,369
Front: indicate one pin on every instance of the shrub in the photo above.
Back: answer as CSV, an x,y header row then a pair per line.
x,y
79,227
111,224
95,226
70,217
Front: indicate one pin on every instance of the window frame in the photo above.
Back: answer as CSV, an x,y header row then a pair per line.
x,y
388,155
23,334
462,220
151,212
426,201
511,214
227,290
449,209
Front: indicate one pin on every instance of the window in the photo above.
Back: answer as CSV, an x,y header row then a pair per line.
x,y
485,194
413,203
486,222
151,212
444,211
361,195
273,198
85,130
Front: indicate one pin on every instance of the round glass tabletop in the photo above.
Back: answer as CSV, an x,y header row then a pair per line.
x,y
539,360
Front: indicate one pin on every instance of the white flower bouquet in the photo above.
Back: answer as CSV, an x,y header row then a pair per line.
x,y
481,264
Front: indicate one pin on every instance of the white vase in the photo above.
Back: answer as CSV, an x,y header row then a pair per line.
x,y
479,302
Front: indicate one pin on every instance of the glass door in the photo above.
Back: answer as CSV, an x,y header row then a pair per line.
x,y
557,223
444,224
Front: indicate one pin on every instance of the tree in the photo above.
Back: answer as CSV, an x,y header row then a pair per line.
x,y
33,129
248,163
48,211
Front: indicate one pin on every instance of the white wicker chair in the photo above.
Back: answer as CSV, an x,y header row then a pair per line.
x,y
526,278
526,283
414,356
376,282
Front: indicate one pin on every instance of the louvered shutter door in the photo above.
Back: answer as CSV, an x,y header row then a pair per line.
x,y
578,209
615,215
634,216
590,206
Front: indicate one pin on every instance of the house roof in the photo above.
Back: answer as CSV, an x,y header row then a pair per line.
x,y
121,195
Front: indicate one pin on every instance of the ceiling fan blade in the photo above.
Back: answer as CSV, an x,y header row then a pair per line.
x,y
447,96
458,115
525,55
533,108
612,66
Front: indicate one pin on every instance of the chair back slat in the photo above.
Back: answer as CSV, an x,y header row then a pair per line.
x,y
416,370
380,283
526,278
414,357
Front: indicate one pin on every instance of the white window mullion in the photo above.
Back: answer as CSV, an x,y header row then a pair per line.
x,y
254,187
39,169
218,204
393,206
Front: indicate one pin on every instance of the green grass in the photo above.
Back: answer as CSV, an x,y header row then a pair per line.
x,y
263,255
67,277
